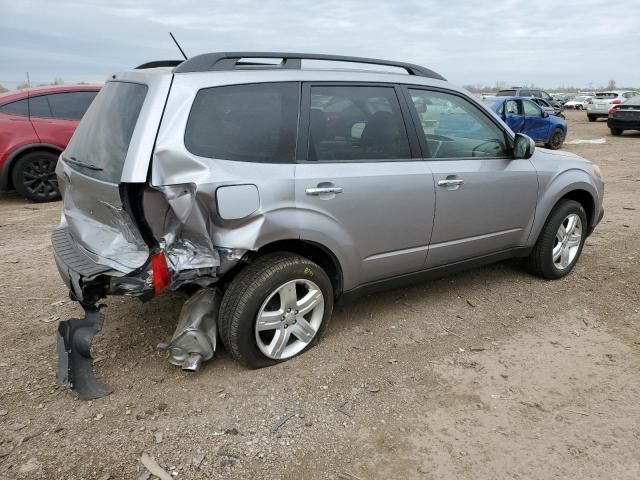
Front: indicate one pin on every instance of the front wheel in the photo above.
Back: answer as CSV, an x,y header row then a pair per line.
x,y
560,243
616,131
34,176
556,140
276,308
592,118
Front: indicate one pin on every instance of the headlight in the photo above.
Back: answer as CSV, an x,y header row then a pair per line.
x,y
597,171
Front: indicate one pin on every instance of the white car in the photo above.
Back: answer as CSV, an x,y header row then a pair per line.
x,y
578,103
598,106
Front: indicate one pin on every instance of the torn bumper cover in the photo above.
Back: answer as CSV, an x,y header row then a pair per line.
x,y
75,365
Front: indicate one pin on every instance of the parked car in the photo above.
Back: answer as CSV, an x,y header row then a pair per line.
x,y
230,177
598,106
527,117
578,103
547,107
35,127
625,116
529,92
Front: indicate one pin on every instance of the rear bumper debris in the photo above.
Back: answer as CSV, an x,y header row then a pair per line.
x,y
75,364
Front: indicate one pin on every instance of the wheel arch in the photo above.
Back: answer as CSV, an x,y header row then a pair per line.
x,y
581,194
6,182
314,252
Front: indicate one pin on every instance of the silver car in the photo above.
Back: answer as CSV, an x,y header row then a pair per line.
x,y
270,192
599,105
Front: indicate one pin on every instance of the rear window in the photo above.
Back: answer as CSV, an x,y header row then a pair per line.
x,y
606,95
247,123
101,141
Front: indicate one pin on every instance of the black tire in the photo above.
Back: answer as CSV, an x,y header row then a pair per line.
x,y
251,288
556,140
592,118
34,176
540,260
616,131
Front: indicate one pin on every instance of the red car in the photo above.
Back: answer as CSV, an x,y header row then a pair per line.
x,y
35,127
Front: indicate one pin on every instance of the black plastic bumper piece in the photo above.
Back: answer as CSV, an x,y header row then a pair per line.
x,y
75,365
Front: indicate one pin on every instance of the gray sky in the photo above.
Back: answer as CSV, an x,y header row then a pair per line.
x,y
547,42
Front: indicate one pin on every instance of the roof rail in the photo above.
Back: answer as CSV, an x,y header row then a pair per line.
x,y
159,63
230,61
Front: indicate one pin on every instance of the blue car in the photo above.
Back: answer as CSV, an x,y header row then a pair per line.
x,y
524,116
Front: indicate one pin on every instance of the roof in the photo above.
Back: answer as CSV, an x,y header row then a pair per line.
x,y
19,94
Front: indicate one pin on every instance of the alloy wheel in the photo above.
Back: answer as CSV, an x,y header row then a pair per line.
x,y
289,319
39,178
567,241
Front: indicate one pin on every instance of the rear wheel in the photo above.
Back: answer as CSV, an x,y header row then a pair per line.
x,y
276,308
616,131
556,140
34,176
560,243
592,118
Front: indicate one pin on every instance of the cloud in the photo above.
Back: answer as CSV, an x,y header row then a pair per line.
x,y
548,43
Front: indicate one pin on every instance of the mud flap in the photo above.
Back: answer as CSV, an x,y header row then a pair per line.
x,y
75,365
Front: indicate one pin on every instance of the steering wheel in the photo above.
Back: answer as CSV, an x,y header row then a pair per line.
x,y
481,145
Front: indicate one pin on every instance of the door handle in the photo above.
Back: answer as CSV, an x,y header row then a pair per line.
x,y
320,190
452,182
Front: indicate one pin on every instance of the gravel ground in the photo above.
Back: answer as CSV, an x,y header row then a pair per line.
x,y
488,374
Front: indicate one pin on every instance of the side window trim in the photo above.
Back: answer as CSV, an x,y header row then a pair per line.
x,y
423,144
304,124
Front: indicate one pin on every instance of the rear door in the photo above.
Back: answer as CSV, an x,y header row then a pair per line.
x,y
55,116
485,199
111,146
359,187
535,124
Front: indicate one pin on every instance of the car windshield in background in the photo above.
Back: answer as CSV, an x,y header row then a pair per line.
x,y
606,95
100,144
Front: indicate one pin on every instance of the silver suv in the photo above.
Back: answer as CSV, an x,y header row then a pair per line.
x,y
270,192
598,106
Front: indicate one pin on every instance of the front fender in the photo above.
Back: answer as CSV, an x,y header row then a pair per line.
x,y
559,186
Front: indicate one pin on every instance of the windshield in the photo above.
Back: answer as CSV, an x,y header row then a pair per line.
x,y
99,146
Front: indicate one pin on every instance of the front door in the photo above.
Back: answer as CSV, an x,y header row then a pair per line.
x,y
485,199
536,122
359,189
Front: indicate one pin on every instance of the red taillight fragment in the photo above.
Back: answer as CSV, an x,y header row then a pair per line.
x,y
590,102
161,273
612,110
617,101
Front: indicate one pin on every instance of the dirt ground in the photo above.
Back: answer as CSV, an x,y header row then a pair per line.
x,y
489,374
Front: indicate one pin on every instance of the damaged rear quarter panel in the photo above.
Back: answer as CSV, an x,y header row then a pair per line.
x,y
189,183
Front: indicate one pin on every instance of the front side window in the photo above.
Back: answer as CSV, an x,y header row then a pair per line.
x,y
18,107
356,123
247,123
530,109
39,107
455,128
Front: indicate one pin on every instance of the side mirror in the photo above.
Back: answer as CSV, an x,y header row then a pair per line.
x,y
523,146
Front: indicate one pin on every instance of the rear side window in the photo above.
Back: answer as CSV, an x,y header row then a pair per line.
x,y
70,105
247,123
102,139
19,107
356,123
506,93
526,93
